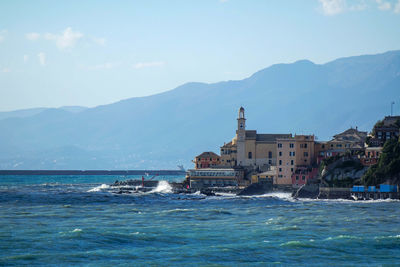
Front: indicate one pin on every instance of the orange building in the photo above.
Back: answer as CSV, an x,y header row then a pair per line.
x,y
207,160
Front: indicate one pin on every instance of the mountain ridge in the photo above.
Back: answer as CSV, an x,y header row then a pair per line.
x,y
170,128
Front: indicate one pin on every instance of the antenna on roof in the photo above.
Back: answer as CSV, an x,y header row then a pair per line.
x,y
391,108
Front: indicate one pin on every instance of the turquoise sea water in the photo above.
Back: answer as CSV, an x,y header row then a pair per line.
x,y
75,221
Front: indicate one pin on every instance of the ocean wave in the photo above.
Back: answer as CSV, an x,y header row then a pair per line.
x,y
177,210
288,228
162,187
99,188
387,237
341,237
227,195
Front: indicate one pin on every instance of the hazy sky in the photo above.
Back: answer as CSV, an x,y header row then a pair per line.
x,y
56,53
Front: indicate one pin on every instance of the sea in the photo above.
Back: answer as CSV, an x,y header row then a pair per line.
x,y
82,221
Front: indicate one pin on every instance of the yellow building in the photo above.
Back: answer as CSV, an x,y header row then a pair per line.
x,y
264,176
250,149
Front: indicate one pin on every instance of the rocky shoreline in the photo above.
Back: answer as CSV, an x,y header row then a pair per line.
x,y
311,191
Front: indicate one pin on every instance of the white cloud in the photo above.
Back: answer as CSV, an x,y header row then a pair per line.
x,y
99,41
5,70
65,40
142,65
32,36
42,58
26,58
397,7
3,35
384,5
358,6
389,5
333,7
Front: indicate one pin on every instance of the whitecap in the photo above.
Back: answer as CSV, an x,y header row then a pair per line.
x,y
76,230
99,188
162,187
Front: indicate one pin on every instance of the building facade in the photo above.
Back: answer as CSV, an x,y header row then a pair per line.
x,y
292,153
250,149
201,178
302,175
207,160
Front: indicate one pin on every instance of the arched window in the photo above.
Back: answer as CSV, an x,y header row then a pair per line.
x,y
250,155
270,154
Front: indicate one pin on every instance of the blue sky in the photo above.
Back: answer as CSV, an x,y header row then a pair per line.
x,y
57,53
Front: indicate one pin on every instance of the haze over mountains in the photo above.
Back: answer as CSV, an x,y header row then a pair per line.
x,y
163,130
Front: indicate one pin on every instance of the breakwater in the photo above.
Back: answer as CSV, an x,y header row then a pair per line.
x,y
92,172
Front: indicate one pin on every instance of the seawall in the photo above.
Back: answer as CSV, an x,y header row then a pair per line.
x,y
92,172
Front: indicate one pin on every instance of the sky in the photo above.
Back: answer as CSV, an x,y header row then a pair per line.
x,y
90,53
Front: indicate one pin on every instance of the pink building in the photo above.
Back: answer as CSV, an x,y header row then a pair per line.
x,y
302,174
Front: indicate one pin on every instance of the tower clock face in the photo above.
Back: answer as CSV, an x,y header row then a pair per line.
x,y
241,125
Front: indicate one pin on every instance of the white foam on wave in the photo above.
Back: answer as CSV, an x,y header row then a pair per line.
x,y
162,187
76,230
222,194
99,188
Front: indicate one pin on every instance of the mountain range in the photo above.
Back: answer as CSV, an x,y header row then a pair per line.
x,y
171,128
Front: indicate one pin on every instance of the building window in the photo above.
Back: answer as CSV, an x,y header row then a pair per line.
x,y
291,145
280,145
269,161
293,153
297,177
291,162
280,153
280,169
323,146
291,169
305,154
303,178
280,162
270,154
305,145
250,155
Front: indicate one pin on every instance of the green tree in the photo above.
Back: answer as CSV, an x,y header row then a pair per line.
x,y
388,166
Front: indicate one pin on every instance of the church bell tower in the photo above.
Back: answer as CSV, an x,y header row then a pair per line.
x,y
241,129
241,137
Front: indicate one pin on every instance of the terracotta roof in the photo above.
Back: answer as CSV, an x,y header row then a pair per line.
x,y
208,154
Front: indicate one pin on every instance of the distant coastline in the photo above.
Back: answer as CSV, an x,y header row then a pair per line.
x,y
92,172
